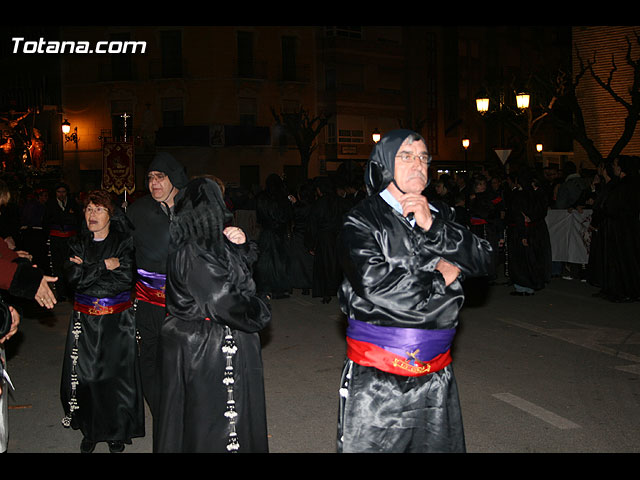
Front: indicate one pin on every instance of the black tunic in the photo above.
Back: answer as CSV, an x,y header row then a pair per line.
x,y
323,226
621,229
208,298
390,280
151,241
528,265
109,391
301,265
274,213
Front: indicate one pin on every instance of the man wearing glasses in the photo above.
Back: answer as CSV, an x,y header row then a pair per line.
x,y
403,257
151,216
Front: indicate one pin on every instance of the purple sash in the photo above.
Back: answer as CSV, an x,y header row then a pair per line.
x,y
427,343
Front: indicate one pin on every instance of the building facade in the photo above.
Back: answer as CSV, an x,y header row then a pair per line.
x,y
604,117
206,94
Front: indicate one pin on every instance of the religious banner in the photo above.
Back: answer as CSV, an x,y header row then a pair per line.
x,y
570,235
118,167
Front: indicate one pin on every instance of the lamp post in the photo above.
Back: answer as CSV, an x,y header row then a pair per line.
x,y
375,135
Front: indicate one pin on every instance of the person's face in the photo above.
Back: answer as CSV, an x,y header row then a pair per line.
x,y
481,187
616,168
495,184
411,171
43,197
159,185
439,189
61,194
97,218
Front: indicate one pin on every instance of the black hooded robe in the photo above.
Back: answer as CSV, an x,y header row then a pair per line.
x,y
274,213
391,281
109,391
621,230
212,388
151,222
528,265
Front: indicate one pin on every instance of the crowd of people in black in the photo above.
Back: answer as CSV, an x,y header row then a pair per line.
x,y
299,226
297,233
509,210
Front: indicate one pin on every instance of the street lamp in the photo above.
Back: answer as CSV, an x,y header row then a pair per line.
x,y
465,144
522,100
66,128
482,105
538,147
376,135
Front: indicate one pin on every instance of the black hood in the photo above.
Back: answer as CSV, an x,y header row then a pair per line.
x,y
166,163
200,216
380,168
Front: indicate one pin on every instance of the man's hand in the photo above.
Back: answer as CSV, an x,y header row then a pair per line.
x,y
235,235
23,254
44,295
418,205
15,321
112,263
449,271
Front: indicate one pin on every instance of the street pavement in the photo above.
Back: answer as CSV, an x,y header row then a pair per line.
x,y
557,372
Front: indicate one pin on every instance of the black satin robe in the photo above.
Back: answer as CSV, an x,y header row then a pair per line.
x,y
621,230
206,294
275,216
528,265
109,393
390,280
323,226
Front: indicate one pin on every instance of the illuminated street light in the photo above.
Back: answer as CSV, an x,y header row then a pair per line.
x,y
522,100
465,145
482,104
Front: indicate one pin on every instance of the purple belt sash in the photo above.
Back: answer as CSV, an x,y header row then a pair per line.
x,y
150,287
404,351
102,306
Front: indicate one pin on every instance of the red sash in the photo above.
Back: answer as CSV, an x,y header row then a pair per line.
x,y
370,355
62,233
150,295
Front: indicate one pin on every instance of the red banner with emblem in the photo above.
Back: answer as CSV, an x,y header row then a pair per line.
x,y
118,167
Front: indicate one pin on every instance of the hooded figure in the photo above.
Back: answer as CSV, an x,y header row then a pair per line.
x,y
402,258
151,216
211,388
380,170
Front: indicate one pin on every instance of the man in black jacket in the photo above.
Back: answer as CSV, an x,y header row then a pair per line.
x,y
151,216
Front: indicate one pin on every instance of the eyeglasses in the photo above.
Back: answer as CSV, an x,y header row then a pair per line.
x,y
96,210
407,157
156,176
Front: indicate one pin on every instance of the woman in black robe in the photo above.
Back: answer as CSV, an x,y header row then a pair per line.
x,y
211,381
101,388
274,214
528,242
